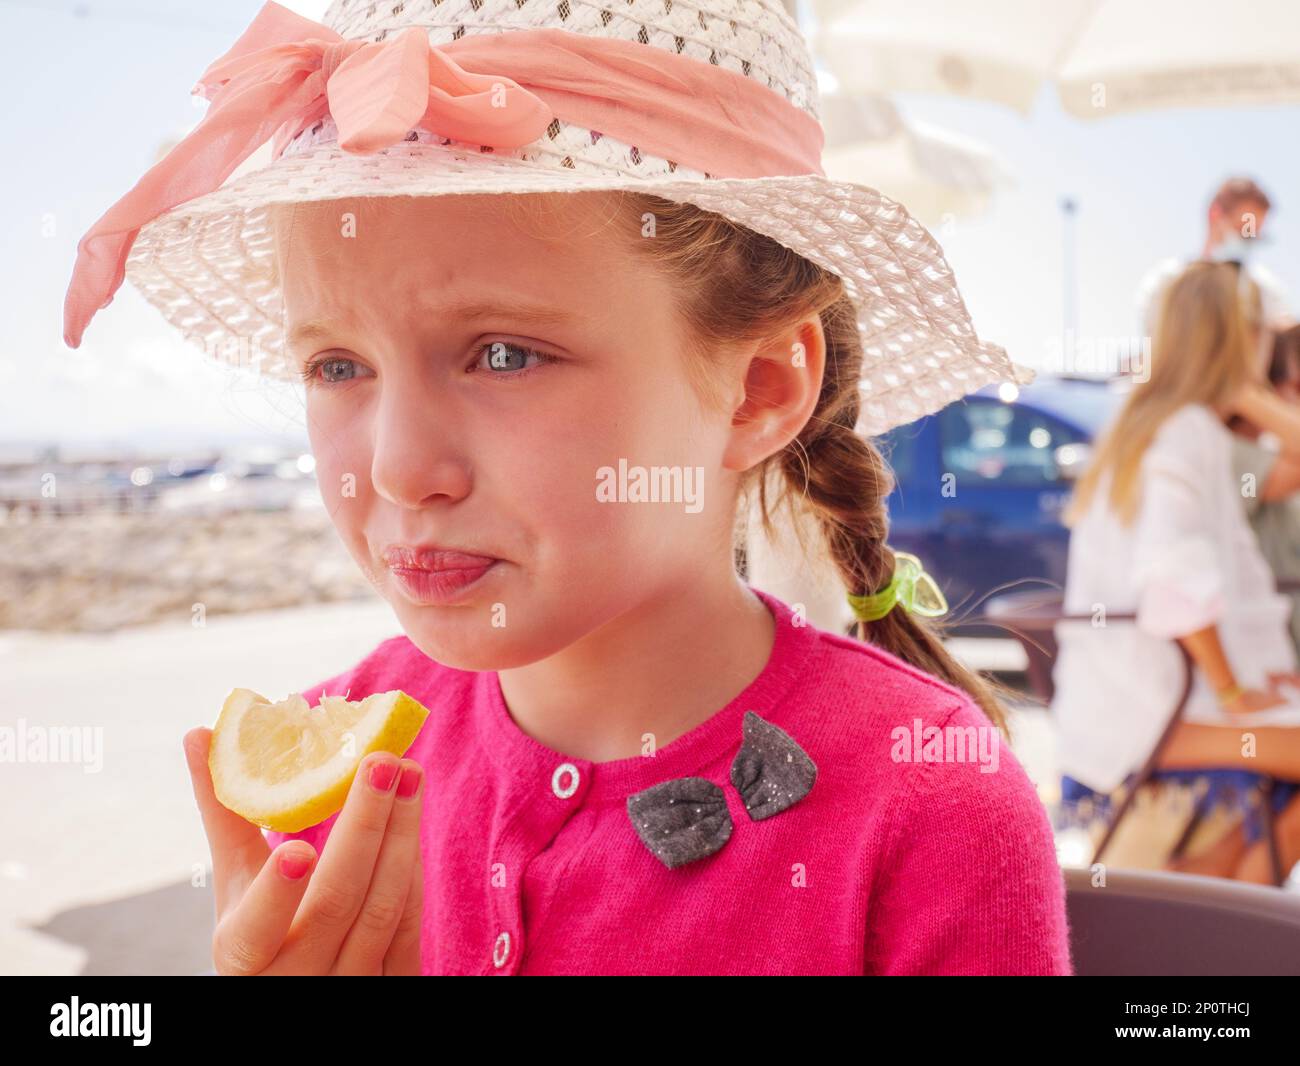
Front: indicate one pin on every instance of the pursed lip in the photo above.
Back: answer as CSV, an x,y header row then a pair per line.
x,y
433,558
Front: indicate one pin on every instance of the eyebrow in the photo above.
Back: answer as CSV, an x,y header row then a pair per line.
x,y
307,333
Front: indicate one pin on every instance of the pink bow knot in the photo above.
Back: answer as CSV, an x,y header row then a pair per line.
x,y
376,91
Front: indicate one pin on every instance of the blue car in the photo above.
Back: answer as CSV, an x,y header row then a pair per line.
x,y
982,483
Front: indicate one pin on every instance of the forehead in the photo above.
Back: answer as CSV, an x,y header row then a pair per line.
x,y
388,252
1247,206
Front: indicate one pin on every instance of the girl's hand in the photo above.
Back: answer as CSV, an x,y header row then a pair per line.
x,y
1252,699
1285,677
358,914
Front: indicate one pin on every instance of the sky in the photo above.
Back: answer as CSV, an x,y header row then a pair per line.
x,y
93,88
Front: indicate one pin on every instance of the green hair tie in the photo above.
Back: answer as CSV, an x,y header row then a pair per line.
x,y
911,586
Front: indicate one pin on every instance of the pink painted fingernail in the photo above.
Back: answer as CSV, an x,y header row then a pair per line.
x,y
410,781
293,866
382,775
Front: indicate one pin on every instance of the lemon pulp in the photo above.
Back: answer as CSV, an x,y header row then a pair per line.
x,y
287,765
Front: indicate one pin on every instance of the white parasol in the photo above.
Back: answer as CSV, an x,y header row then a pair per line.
x,y
1106,57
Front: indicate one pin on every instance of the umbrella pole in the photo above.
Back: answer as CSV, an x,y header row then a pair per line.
x,y
1069,266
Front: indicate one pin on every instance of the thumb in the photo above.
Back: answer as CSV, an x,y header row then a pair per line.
x,y
239,851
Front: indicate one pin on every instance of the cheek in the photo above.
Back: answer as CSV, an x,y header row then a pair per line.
x,y
559,491
342,471
547,470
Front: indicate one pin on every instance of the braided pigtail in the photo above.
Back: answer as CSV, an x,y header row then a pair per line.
x,y
743,286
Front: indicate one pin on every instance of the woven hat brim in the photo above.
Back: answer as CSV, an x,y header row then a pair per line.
x,y
207,264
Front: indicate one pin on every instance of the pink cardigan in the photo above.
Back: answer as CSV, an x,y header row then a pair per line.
x,y
905,857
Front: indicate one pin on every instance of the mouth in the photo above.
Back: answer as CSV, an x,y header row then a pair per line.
x,y
431,576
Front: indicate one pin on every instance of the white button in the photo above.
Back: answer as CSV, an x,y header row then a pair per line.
x,y
501,950
560,771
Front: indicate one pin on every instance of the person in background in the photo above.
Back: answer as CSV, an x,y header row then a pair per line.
x,y
1234,228
1267,467
1158,530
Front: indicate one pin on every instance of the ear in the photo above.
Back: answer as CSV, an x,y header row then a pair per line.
x,y
1215,218
782,380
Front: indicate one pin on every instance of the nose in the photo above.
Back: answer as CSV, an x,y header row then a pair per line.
x,y
418,457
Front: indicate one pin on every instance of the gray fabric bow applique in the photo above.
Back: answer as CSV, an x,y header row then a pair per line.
x,y
686,818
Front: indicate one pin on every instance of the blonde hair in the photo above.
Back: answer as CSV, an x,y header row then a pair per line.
x,y
1202,353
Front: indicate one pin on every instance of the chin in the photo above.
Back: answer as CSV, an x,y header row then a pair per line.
x,y
463,639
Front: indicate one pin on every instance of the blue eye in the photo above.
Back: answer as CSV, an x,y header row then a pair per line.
x,y
509,359
329,363
505,359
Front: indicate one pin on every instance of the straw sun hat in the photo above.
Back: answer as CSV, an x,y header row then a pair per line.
x,y
710,102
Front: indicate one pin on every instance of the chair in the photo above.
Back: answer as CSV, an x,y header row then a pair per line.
x,y
1153,923
1031,617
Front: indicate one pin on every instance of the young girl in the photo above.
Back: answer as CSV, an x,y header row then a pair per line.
x,y
633,762
1158,527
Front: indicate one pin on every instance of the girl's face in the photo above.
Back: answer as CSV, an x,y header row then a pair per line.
x,y
478,376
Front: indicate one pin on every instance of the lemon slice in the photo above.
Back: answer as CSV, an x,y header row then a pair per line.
x,y
287,765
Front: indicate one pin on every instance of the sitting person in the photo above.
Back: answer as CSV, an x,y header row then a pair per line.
x,y
1158,530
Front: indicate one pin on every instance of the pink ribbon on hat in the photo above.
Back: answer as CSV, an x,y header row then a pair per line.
x,y
285,72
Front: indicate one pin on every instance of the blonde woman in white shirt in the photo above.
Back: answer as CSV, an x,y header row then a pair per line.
x,y
1158,529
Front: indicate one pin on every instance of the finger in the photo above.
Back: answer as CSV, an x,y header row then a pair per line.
x,y
384,909
339,888
250,937
239,850
403,958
